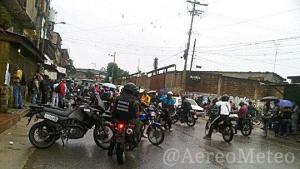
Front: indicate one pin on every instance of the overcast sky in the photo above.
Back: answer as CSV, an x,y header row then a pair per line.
x,y
140,30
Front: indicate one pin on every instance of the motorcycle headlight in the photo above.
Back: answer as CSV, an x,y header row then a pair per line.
x,y
152,113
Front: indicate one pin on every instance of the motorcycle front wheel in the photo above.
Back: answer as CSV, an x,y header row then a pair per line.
x,y
207,126
102,136
156,134
41,135
227,133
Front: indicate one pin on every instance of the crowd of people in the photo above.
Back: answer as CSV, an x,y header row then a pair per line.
x,y
43,90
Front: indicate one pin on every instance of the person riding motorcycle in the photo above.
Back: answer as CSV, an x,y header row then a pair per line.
x,y
185,106
168,103
145,99
242,114
126,108
224,111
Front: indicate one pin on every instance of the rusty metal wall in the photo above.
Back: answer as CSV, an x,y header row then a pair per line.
x,y
157,82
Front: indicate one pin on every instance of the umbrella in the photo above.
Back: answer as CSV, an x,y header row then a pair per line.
x,y
109,85
285,103
269,98
151,91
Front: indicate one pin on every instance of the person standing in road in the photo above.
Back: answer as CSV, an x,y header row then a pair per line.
x,y
55,91
17,93
45,88
145,99
35,87
62,93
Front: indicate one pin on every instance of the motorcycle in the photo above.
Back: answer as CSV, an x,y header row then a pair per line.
x,y
245,126
67,124
126,138
151,128
224,127
189,117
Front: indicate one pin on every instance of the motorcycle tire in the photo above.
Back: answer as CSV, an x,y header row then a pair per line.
x,y
144,130
48,142
207,127
246,130
103,143
175,119
190,121
120,153
137,139
227,133
156,130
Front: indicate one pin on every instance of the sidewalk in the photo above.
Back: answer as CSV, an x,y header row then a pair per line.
x,y
9,119
15,147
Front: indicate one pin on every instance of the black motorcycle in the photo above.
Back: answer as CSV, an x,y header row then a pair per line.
x,y
126,138
67,124
224,127
188,117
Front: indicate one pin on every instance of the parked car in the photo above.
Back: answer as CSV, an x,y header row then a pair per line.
x,y
199,110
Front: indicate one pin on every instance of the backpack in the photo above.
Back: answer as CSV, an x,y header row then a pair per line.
x,y
57,88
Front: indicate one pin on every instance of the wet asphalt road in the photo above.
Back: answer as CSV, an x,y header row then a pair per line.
x,y
182,148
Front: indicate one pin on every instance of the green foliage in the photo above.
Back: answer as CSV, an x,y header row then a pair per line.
x,y
115,72
5,17
89,75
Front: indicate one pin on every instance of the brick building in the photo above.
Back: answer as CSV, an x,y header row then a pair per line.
x,y
209,83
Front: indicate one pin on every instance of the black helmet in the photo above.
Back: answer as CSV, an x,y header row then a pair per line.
x,y
130,88
225,98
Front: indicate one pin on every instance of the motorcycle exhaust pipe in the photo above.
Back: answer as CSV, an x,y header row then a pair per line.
x,y
129,131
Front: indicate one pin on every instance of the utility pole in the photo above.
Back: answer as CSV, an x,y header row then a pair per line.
x,y
113,68
193,55
194,12
275,60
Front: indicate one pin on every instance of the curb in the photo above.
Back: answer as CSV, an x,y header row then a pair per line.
x,y
11,119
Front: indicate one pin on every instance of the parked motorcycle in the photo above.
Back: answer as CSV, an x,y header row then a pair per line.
x,y
224,127
189,117
126,138
151,128
67,124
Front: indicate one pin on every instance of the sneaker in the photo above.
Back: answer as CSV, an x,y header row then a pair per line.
x,y
207,137
171,129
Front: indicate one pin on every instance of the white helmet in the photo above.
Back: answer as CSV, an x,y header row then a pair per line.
x,y
170,93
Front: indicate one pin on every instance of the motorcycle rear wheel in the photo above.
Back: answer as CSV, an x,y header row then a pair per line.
x,y
42,129
190,121
246,129
227,133
120,153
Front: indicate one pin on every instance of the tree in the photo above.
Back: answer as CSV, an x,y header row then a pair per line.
x,y
5,17
89,75
114,72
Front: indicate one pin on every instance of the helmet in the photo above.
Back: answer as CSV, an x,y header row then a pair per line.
x,y
225,98
131,88
170,93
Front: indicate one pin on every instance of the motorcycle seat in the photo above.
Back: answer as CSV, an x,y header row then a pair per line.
x,y
64,113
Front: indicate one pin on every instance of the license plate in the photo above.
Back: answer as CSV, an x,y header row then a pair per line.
x,y
51,117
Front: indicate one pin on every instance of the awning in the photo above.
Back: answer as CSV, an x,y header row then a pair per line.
x,y
61,70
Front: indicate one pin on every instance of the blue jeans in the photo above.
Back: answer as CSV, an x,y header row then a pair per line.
x,y
17,95
34,97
